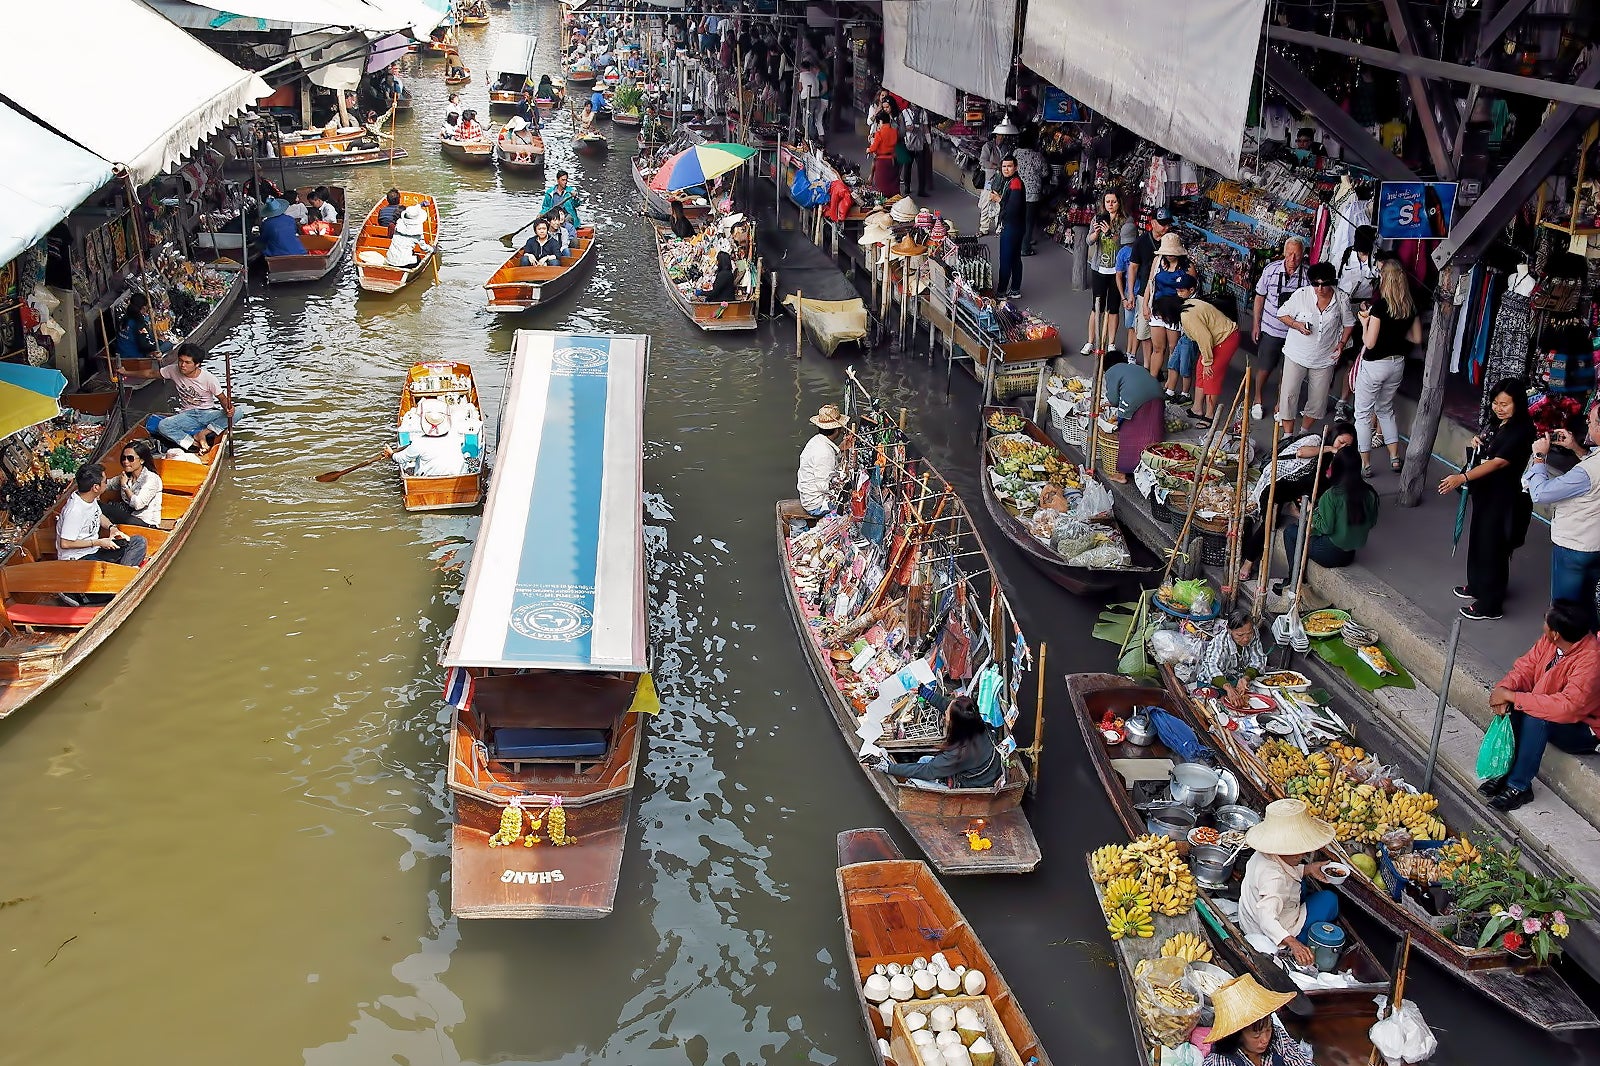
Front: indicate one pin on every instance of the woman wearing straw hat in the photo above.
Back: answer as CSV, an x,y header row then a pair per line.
x,y
1245,1033
1163,307
819,460
1275,901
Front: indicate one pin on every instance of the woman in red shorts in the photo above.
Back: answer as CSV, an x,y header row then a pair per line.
x,y
1217,337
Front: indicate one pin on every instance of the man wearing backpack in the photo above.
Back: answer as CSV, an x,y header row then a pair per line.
x,y
917,140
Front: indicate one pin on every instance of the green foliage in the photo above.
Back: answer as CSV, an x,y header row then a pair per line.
x,y
628,99
1129,626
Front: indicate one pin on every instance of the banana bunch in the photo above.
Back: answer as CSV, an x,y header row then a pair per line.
x,y
510,827
1123,893
1283,760
1131,921
1176,898
1186,946
1163,873
1108,863
1415,813
1455,855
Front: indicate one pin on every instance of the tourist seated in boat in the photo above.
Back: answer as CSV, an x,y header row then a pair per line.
x,y
204,407
681,226
1244,1030
324,208
137,338
451,130
391,210
280,233
438,451
1234,657
563,196
819,461
543,248
469,130
1275,900
517,132
508,83
968,758
406,248
562,227
84,532
136,490
546,89
453,103
721,286
298,210
527,109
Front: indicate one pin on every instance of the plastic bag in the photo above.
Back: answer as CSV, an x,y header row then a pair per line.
x,y
1072,538
1404,1036
1096,500
1499,745
1170,647
1165,1018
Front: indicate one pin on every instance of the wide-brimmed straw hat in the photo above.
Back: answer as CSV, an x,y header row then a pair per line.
x,y
274,207
409,224
908,247
517,124
829,417
903,210
435,417
1289,828
1172,244
877,228
1241,1003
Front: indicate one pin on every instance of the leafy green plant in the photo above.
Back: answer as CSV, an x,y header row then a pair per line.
x,y
628,100
1527,912
1129,626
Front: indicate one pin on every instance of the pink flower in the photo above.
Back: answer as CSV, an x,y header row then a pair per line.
x,y
1558,918
1531,926
1515,911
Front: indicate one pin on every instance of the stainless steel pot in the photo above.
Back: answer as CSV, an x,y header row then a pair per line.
x,y
1140,732
1192,784
1212,864
1235,817
1174,822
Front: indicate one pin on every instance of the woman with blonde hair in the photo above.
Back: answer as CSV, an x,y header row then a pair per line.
x,y
1390,329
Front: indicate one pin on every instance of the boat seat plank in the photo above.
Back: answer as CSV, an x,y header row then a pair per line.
x,y
50,616
155,539
88,576
580,747
180,477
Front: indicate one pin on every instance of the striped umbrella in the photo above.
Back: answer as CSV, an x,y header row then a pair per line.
x,y
698,165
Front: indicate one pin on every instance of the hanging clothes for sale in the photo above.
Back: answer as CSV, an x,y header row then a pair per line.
x,y
1350,210
1319,233
1155,184
1509,347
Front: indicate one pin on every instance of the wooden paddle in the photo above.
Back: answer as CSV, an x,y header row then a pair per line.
x,y
335,475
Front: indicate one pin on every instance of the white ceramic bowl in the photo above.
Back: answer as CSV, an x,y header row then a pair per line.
x,y
1336,873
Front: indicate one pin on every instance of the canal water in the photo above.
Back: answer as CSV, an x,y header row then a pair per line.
x,y
226,835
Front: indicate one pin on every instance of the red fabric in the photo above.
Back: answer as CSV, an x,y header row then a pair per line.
x,y
839,201
1209,380
1567,692
37,614
1147,426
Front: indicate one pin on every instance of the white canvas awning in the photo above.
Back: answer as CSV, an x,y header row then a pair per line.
x,y
47,178
937,96
513,54
122,81
965,43
373,17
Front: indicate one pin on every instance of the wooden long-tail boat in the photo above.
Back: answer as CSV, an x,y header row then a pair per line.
x,y
1537,994
515,287
41,641
895,910
375,276
207,328
478,153
926,528
1092,695
452,384
590,144
345,156
1077,579
459,79
549,655
579,76
721,316
324,253
518,155
510,67
658,203
473,20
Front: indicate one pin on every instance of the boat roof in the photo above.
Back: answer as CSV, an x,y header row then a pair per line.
x,y
557,574
513,54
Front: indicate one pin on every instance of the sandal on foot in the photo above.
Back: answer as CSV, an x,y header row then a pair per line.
x,y
1366,471
1395,464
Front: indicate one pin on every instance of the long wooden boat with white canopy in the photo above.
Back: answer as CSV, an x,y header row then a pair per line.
x,y
548,663
510,68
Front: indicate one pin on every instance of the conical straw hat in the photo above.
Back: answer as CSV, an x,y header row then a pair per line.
x,y
1289,828
1242,1002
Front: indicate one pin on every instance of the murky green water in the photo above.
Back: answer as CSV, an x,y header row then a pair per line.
x,y
226,835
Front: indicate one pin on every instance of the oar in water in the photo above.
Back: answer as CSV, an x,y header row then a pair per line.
x,y
335,475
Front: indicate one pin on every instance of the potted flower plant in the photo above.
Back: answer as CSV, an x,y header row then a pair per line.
x,y
629,100
1525,914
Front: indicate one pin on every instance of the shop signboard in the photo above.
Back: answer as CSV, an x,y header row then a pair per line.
x,y
1059,107
1416,210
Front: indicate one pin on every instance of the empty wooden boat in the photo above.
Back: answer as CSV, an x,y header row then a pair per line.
x,y
895,911
375,275
515,287
41,640
324,252
452,386
478,153
713,317
548,670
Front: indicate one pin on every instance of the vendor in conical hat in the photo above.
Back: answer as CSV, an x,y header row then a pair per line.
x,y
1275,900
1245,1032
819,460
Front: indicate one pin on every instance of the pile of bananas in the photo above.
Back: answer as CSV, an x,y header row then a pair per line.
x,y
1125,893
1457,854
1360,813
1186,946
1109,863
1165,875
1131,921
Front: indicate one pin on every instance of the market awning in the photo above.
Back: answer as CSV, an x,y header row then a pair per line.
x,y
937,96
965,43
122,81
557,575
513,54
373,17
47,178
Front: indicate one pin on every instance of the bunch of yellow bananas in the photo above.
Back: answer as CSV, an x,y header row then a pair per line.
x,y
1131,921
1124,892
1108,863
1186,946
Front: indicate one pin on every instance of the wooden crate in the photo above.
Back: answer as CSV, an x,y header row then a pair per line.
x,y
902,1050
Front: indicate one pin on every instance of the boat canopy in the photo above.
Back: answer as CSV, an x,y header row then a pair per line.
x,y
513,54
49,176
557,575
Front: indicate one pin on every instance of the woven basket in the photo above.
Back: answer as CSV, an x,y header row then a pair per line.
x,y
1105,451
1073,429
1009,383
1165,515
1213,546
1160,462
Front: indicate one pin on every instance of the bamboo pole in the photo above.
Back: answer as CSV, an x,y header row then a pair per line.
x,y
1236,518
1269,519
1199,476
1093,441
799,313
1303,526
1038,719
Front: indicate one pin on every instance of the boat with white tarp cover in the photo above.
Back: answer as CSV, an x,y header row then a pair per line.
x,y
510,67
548,662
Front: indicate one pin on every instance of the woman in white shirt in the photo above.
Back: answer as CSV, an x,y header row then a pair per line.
x,y
1274,900
137,489
1320,321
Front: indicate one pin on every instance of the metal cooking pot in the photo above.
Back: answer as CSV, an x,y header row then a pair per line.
x,y
1212,864
1235,817
1174,822
1140,732
1192,784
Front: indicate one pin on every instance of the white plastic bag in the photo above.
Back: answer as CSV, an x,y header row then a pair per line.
x,y
1404,1036
1095,501
1170,647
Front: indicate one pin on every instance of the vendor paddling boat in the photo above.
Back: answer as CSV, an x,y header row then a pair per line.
x,y
549,657
478,153
373,274
1011,494
324,252
1136,776
452,386
510,67
590,144
895,913
515,287
849,582
459,79
1537,994
711,316
41,640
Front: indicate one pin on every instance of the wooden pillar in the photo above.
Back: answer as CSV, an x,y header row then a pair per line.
x,y
1430,405
1080,257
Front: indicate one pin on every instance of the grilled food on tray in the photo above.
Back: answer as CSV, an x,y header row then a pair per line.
x,y
1323,624
1282,679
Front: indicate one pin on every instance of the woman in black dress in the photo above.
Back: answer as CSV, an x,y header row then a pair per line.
x,y
1500,509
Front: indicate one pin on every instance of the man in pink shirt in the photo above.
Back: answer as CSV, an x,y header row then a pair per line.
x,y
204,409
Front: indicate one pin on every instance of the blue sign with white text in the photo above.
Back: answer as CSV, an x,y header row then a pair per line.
x,y
1416,210
1057,106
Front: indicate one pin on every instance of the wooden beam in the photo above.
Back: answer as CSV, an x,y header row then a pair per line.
x,y
1495,28
1352,135
1436,120
1430,404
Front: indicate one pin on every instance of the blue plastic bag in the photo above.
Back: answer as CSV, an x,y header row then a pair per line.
x,y
1498,747
807,193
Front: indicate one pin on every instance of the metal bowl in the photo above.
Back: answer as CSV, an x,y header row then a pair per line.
x,y
1235,817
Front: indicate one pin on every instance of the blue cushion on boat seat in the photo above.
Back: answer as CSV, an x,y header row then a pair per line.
x,y
511,744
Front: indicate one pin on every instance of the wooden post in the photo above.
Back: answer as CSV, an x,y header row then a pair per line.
x,y
1269,519
1430,405
799,313
1038,721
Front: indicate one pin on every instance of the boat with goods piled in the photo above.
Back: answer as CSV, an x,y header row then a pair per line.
x,y
451,384
515,287
643,167
324,252
891,622
373,274
709,315
510,68
41,641
1018,460
1537,994
549,658
896,913
526,156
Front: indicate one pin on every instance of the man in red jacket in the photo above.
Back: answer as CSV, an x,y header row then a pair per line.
x,y
1553,697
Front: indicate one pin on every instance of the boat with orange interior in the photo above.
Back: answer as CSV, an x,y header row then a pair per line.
x,y
373,273
451,385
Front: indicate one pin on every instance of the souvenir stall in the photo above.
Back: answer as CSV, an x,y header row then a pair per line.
x,y
687,262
